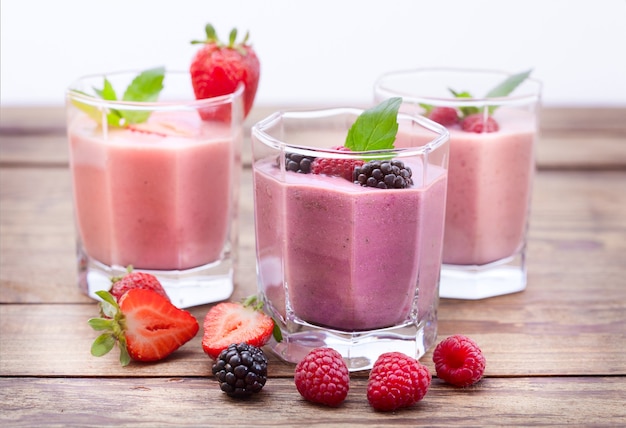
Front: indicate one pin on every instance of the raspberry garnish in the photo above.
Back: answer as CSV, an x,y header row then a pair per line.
x,y
322,377
336,167
459,361
477,123
446,116
396,381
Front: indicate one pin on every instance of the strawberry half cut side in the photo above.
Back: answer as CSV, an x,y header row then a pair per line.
x,y
145,325
229,322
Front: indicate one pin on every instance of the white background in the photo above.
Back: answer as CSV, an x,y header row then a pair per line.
x,y
320,51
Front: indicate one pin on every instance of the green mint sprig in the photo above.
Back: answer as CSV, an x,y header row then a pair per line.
x,y
501,90
146,87
375,128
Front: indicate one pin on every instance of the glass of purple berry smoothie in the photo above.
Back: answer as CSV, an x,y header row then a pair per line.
x,y
492,118
349,212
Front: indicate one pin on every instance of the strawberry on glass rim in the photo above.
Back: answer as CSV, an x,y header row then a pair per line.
x,y
219,68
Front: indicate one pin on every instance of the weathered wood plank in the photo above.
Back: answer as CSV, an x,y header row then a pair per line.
x,y
519,338
182,401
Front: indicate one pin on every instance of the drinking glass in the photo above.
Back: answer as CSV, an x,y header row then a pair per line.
x,y
339,264
158,190
490,178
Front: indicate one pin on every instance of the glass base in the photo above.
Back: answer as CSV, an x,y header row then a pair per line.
x,y
472,282
359,349
186,288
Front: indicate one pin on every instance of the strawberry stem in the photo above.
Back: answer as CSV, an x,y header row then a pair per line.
x,y
253,302
114,328
212,38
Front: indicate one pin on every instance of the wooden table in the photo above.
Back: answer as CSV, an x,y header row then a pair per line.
x,y
556,353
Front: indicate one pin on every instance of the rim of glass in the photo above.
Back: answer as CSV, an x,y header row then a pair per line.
x,y
72,93
258,131
379,88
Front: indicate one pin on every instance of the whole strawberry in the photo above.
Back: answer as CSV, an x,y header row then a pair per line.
x,y
396,380
322,377
144,324
134,280
218,68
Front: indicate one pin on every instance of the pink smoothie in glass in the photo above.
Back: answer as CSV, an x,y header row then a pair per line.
x,y
352,258
155,201
489,188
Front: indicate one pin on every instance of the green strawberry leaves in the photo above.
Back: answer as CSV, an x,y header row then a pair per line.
x,y
213,38
146,87
113,325
375,128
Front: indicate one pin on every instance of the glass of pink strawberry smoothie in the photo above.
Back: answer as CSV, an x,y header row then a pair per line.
x,y
491,171
339,264
158,189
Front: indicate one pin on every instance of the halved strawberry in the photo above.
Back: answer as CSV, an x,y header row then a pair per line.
x,y
134,280
146,326
230,322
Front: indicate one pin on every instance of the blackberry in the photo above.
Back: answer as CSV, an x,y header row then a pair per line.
x,y
241,370
387,174
298,163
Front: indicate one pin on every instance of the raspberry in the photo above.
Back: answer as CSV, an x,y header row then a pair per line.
x,y
322,377
446,116
241,370
396,381
477,123
391,174
336,167
459,361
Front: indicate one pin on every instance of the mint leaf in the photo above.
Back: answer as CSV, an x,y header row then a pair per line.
x,y
92,111
506,87
464,94
146,87
465,111
427,108
501,90
375,128
107,92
